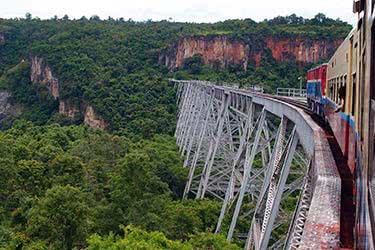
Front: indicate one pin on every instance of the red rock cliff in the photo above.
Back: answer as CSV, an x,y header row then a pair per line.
x,y
226,51
217,49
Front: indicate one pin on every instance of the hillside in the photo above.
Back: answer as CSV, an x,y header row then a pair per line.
x,y
111,73
66,184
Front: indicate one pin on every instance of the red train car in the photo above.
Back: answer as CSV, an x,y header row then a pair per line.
x,y
316,88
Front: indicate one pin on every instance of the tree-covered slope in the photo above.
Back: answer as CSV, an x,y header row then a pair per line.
x,y
113,64
59,185
65,185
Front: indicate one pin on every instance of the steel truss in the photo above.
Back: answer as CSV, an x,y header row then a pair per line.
x,y
242,154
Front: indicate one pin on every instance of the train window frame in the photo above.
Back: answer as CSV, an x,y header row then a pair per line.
x,y
361,110
338,89
334,90
354,93
330,89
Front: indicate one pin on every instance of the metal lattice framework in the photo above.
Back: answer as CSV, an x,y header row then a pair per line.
x,y
254,153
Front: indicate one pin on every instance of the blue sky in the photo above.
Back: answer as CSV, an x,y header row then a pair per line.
x,y
186,10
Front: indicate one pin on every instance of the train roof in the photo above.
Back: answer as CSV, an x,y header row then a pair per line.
x,y
317,67
338,50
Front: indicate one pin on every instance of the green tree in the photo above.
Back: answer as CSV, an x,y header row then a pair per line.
x,y
204,241
135,239
137,193
61,218
194,64
65,169
28,16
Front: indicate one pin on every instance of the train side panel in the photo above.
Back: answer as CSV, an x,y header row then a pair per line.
x,y
337,101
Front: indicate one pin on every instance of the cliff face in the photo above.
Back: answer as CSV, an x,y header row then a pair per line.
x,y
7,111
42,74
302,49
225,51
70,110
219,49
92,120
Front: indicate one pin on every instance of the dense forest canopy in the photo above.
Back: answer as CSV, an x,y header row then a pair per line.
x,y
64,185
113,64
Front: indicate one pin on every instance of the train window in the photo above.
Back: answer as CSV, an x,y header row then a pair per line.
x,y
335,97
354,93
337,89
341,94
329,89
334,90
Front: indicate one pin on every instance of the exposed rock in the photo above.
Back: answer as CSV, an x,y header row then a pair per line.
x,y
2,38
218,49
42,74
92,120
302,49
7,111
222,49
69,110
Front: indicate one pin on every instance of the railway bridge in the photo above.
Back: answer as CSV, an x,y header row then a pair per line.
x,y
266,160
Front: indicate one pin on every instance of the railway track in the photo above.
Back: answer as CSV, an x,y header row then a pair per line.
x,y
347,208
323,202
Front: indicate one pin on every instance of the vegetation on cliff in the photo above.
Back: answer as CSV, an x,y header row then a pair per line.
x,y
113,64
68,186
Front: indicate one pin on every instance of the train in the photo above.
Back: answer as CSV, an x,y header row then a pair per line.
x,y
316,88
342,91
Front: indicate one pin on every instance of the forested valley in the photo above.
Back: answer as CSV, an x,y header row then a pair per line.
x,y
66,185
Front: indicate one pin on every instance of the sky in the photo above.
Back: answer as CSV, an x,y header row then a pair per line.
x,y
177,10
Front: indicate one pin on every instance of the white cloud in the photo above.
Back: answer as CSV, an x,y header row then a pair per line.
x,y
187,10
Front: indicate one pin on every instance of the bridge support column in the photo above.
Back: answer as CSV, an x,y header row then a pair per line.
x,y
200,139
215,140
244,140
233,153
269,203
250,155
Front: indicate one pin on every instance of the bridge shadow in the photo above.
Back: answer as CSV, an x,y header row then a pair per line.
x,y
347,208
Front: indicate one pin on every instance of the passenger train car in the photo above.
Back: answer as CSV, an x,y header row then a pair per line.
x,y
347,102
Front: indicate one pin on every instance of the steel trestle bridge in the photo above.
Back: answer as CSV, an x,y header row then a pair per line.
x,y
258,154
